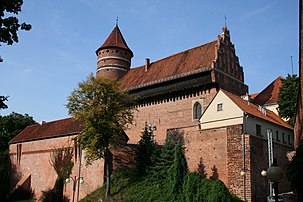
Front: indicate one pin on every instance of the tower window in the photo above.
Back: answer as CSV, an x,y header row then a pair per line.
x,y
197,110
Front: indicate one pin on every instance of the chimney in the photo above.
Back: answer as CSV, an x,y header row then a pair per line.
x,y
147,64
43,122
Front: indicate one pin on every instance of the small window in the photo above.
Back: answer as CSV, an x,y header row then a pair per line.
x,y
219,107
197,110
283,138
277,136
258,130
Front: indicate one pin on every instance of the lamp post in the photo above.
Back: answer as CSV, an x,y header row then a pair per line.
x,y
75,180
275,175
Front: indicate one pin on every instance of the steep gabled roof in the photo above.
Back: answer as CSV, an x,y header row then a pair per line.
x,y
115,39
253,109
52,129
177,65
270,94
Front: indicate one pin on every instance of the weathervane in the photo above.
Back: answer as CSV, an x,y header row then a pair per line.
x,y
117,20
225,19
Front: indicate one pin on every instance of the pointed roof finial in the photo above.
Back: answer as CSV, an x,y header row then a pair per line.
x,y
117,20
225,19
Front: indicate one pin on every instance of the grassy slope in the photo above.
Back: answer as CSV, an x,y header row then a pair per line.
x,y
127,188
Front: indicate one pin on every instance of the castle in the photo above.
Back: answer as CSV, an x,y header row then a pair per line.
x,y
198,95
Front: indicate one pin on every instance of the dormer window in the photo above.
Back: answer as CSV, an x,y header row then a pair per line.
x,y
197,110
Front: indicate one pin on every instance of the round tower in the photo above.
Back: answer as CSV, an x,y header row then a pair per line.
x,y
114,56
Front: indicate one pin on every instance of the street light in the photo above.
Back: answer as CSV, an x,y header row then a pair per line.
x,y
75,180
275,175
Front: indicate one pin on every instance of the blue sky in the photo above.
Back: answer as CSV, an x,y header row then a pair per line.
x,y
40,72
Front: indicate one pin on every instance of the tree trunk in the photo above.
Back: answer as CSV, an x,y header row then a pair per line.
x,y
108,169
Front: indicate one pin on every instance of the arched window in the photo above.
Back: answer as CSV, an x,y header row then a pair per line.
x,y
197,110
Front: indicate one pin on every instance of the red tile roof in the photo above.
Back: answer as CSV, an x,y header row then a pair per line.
x,y
52,129
270,94
115,39
253,109
179,64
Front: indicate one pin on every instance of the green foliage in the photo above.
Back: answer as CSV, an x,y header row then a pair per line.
x,y
159,171
127,187
287,98
2,100
178,169
11,125
5,174
147,151
295,171
104,111
9,24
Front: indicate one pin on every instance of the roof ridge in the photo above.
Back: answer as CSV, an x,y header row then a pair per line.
x,y
270,115
199,46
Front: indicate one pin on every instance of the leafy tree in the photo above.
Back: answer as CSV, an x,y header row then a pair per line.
x,y
11,125
287,98
104,111
147,151
2,100
295,171
9,24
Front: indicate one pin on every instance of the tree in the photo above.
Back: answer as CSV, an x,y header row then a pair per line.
x,y
104,111
287,98
2,100
159,171
178,170
11,125
9,25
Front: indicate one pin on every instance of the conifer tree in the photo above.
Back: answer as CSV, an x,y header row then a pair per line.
x,y
164,162
147,151
178,170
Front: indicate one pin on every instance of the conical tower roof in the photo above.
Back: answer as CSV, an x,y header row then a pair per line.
x,y
114,40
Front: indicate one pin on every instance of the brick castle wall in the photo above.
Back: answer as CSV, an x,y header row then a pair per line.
x,y
35,161
167,115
